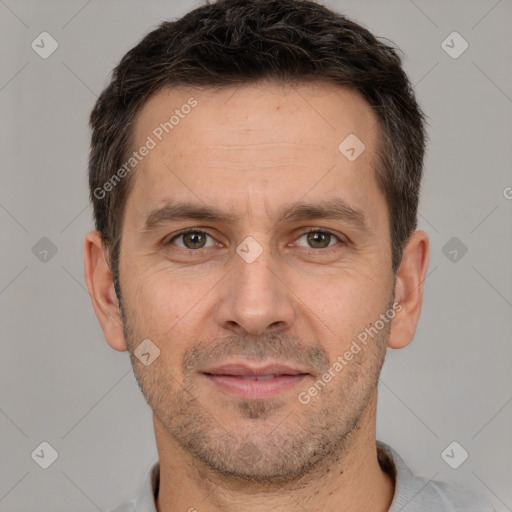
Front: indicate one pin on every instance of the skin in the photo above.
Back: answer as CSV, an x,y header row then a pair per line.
x,y
249,152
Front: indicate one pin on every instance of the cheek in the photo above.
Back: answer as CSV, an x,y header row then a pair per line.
x,y
345,307
167,309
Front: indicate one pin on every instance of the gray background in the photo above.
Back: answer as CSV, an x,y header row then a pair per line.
x,y
59,380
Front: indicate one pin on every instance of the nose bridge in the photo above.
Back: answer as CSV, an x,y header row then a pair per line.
x,y
255,278
256,298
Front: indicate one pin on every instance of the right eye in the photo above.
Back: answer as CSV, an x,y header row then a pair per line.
x,y
191,239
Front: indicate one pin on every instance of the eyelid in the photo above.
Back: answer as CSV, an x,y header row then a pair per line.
x,y
169,241
339,237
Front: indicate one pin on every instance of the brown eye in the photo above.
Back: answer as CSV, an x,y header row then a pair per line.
x,y
318,239
191,240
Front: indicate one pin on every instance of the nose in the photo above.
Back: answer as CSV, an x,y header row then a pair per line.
x,y
255,298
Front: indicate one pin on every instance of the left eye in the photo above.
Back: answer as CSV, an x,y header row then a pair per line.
x,y
192,240
319,239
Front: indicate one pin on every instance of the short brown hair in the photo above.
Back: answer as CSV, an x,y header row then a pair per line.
x,y
235,42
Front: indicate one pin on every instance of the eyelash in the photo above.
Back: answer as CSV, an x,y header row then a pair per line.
x,y
327,249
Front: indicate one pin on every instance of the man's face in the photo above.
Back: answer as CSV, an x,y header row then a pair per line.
x,y
262,286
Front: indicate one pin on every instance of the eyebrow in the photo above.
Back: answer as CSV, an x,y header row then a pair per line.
x,y
336,209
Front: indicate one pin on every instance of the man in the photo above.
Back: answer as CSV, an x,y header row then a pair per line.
x,y
255,171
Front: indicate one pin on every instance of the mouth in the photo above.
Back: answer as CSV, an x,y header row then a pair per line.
x,y
253,383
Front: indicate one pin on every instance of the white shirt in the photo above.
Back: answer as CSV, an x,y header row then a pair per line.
x,y
412,493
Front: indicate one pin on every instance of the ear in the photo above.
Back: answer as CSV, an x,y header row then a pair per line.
x,y
101,290
409,289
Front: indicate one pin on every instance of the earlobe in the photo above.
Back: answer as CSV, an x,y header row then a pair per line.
x,y
409,289
98,277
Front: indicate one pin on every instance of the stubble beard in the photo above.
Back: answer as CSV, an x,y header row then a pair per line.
x,y
275,444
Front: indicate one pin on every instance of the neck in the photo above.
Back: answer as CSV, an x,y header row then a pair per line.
x,y
348,482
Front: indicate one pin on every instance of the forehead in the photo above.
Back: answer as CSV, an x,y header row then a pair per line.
x,y
235,145
256,112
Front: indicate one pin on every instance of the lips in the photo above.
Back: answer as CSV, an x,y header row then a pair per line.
x,y
249,382
241,370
